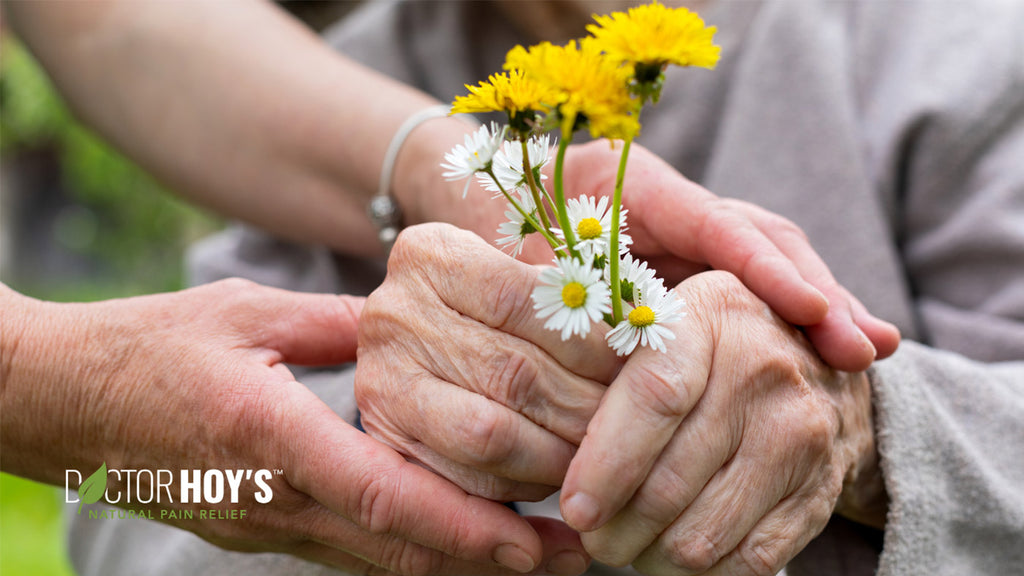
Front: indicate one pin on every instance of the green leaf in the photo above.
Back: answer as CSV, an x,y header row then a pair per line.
x,y
626,291
93,488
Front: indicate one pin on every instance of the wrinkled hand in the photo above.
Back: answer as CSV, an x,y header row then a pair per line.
x,y
197,380
727,454
681,228
456,371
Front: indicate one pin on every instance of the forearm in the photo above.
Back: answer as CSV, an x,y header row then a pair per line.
x,y
238,107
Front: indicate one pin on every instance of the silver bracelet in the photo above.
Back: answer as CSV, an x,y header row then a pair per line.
x,y
383,209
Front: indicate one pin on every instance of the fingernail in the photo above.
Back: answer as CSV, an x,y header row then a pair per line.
x,y
581,512
866,342
821,297
567,563
514,558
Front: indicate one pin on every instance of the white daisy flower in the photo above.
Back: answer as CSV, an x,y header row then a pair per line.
x,y
476,155
508,163
516,229
645,322
632,272
573,295
591,220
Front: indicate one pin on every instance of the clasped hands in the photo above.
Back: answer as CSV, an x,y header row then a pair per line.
x,y
725,455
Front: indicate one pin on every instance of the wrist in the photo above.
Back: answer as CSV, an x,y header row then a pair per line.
x,y
864,498
55,374
418,184
27,371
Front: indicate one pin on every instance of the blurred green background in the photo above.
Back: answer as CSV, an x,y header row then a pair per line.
x,y
78,222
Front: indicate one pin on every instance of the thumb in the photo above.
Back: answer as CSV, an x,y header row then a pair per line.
x,y
315,329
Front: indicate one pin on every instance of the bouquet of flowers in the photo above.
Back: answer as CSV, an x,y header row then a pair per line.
x,y
600,84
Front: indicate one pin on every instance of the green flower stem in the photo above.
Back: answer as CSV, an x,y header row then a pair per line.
x,y
563,213
544,191
528,170
552,241
613,241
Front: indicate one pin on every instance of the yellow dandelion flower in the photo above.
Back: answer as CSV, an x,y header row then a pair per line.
x,y
613,124
510,92
654,35
587,84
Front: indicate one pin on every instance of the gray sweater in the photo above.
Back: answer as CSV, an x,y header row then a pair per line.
x,y
893,134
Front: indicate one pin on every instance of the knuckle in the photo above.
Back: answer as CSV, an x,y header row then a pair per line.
x,y
697,553
667,492
786,228
760,558
487,436
414,252
662,390
778,372
378,498
234,294
376,302
385,319
510,381
727,209
775,225
409,243
511,299
805,432
738,206
812,424
234,285
722,294
819,430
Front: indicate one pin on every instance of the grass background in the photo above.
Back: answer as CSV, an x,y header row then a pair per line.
x,y
31,529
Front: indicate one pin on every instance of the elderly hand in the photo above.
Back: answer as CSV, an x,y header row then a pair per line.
x,y
768,436
727,454
456,371
680,228
197,380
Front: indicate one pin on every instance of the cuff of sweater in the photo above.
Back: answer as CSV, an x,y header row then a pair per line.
x,y
942,430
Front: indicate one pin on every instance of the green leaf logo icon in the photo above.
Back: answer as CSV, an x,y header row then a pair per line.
x,y
93,488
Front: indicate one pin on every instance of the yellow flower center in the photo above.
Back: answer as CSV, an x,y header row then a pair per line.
x,y
640,317
589,228
574,294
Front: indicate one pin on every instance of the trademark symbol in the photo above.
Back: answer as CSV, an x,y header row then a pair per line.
x,y
278,472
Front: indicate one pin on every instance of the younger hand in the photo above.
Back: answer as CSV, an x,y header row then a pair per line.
x,y
197,380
